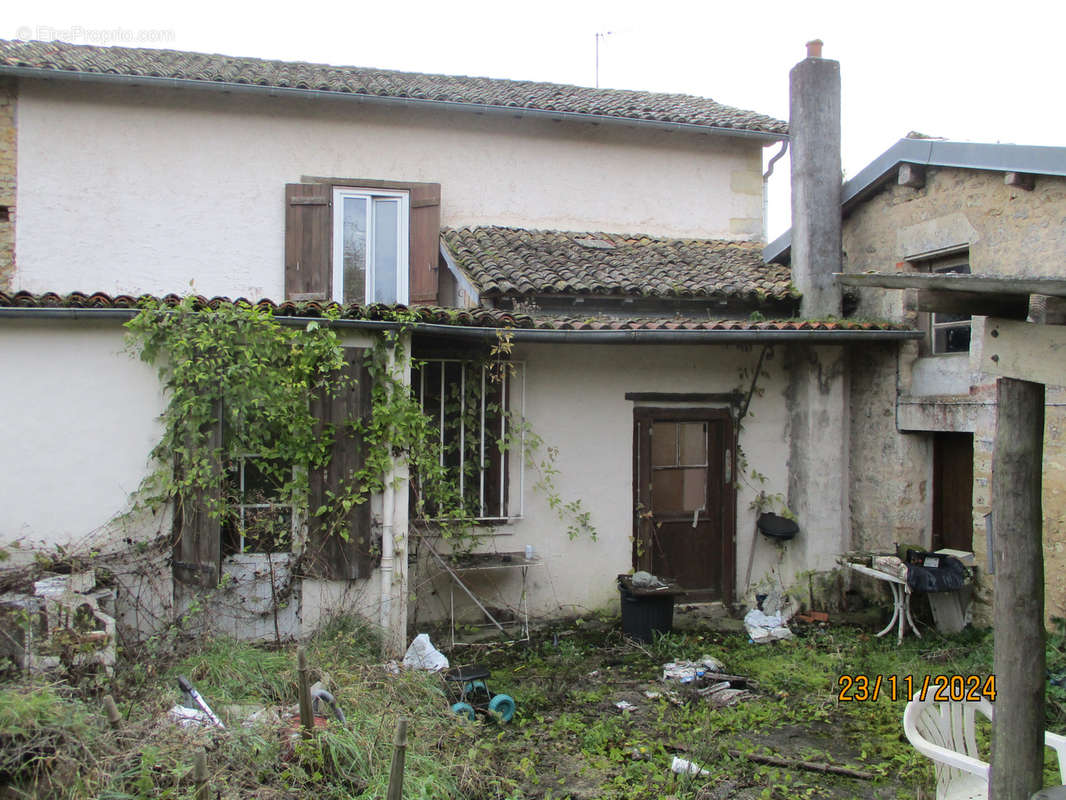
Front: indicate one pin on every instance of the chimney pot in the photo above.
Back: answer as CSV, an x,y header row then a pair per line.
x,y
814,48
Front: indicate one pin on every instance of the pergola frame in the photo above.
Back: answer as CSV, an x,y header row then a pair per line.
x,y
1024,346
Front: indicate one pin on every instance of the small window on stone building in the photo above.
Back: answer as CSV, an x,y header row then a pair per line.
x,y
948,333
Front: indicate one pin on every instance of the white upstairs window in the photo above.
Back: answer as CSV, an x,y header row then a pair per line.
x,y
370,230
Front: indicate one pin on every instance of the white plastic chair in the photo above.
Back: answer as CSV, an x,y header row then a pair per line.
x,y
946,733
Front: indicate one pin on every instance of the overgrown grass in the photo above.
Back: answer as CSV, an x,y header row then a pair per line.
x,y
568,738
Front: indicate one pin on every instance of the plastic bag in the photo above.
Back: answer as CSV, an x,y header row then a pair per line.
x,y
423,655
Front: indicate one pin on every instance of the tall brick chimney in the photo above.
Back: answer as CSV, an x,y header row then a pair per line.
x,y
814,126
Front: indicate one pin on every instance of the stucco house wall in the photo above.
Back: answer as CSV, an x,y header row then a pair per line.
x,y
132,190
590,421
1008,231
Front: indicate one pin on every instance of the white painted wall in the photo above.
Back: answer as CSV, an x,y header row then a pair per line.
x,y
79,417
130,190
575,400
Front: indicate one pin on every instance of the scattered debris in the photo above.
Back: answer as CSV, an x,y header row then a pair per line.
x,y
193,699
688,671
685,767
423,655
189,717
625,705
810,766
645,580
763,627
66,622
813,616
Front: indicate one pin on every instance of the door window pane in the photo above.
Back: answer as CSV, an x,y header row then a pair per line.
x,y
664,444
386,248
355,213
693,436
676,490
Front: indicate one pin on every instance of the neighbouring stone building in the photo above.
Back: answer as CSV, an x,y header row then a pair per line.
x,y
923,413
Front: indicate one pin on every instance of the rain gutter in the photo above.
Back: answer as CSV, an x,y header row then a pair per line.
x,y
554,336
319,94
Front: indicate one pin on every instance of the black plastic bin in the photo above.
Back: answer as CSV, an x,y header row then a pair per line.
x,y
645,611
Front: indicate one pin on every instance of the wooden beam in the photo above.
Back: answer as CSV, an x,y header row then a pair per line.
x,y
1018,663
1008,306
911,175
952,281
1024,351
1020,180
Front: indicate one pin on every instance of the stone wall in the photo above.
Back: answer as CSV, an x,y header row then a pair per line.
x,y
8,140
1009,232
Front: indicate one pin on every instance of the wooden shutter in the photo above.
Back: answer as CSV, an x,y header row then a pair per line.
x,y
197,554
328,555
308,241
424,249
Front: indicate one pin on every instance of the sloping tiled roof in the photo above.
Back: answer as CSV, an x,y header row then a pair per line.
x,y
221,69
514,262
469,318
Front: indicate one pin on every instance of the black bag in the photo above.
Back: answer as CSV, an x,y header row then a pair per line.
x,y
947,577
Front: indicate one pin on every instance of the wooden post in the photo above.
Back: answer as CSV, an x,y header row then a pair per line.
x,y
307,719
1017,521
399,751
114,718
199,775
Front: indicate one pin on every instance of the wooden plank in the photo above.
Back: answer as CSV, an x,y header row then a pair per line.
x,y
1019,660
424,249
308,241
911,175
1024,351
685,397
327,554
952,281
1007,306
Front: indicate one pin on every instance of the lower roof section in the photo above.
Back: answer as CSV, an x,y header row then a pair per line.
x,y
475,323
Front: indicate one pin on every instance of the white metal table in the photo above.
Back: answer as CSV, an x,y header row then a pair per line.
x,y
479,562
901,597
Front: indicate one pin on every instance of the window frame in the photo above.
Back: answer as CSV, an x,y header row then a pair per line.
x,y
943,262
513,390
339,195
240,462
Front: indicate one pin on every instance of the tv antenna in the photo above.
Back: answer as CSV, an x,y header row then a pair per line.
x,y
599,36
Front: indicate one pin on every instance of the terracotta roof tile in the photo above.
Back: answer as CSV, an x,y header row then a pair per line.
x,y
514,262
474,317
207,68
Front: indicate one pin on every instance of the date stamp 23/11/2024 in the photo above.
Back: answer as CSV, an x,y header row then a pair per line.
x,y
938,688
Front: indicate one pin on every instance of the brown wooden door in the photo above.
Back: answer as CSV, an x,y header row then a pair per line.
x,y
684,500
953,491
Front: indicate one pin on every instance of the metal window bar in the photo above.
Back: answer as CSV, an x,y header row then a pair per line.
x,y
462,433
481,492
485,512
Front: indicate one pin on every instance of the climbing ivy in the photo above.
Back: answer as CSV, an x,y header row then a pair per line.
x,y
235,368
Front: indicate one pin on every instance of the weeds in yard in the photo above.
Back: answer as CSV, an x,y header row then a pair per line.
x,y
568,739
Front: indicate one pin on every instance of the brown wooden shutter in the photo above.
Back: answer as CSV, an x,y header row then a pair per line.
x,y
197,554
425,243
308,241
328,555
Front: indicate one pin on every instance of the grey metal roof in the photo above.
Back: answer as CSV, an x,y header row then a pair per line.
x,y
58,60
1029,159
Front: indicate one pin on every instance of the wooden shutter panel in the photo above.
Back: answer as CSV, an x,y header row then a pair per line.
x,y
424,249
308,241
329,555
197,554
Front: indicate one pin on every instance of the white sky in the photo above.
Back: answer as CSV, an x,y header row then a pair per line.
x,y
975,71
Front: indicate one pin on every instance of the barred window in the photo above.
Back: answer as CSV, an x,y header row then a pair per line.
x,y
471,405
